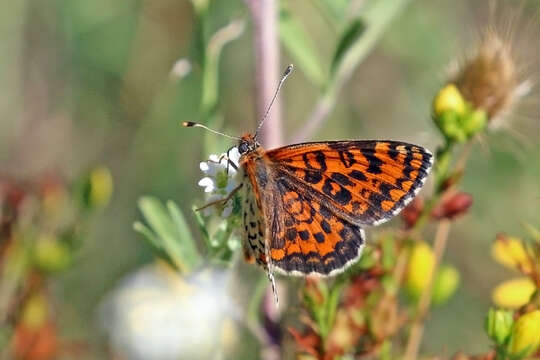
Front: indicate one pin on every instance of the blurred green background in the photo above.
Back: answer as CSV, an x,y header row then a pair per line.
x,y
89,82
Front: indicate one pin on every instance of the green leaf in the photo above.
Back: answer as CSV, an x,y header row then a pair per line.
x,y
168,232
348,38
189,250
333,302
153,240
300,46
335,8
147,233
202,227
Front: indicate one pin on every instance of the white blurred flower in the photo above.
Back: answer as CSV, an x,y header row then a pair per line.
x,y
220,177
157,314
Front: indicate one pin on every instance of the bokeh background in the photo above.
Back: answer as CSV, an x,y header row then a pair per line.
x,y
89,82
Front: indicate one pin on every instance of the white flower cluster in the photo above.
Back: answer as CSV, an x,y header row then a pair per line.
x,y
156,313
220,178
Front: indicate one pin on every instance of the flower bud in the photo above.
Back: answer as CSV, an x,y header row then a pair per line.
x,y
449,122
510,252
499,325
453,206
101,187
420,268
513,293
525,338
448,99
51,254
35,312
474,122
445,284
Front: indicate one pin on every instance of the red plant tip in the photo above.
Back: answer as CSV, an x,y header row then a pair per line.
x,y
412,212
453,206
308,341
11,194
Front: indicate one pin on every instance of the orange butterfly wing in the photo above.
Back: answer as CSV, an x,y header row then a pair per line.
x,y
308,236
368,181
314,198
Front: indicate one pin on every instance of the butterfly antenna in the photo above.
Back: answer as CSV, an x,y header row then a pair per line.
x,y
286,73
194,124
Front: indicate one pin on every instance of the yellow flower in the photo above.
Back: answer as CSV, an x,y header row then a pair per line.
x,y
101,186
420,268
525,338
449,99
513,293
510,252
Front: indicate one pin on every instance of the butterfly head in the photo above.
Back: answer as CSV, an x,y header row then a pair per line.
x,y
247,144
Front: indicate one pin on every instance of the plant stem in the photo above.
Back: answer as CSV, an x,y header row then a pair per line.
x,y
377,17
267,69
417,329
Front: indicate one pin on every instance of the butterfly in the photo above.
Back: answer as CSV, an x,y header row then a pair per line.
x,y
305,206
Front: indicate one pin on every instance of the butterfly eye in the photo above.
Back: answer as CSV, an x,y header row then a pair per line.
x,y
243,148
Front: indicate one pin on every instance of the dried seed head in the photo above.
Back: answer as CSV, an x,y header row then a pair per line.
x,y
488,79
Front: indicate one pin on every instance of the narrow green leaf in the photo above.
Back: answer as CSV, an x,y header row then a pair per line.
x,y
154,241
156,215
190,253
300,47
147,233
179,220
332,304
335,8
169,239
202,227
348,38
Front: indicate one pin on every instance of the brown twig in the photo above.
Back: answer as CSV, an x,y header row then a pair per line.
x,y
267,69
417,329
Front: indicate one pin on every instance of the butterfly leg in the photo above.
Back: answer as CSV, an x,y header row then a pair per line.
x,y
229,161
221,201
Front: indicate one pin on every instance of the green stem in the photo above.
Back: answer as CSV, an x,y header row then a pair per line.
x,y
377,16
